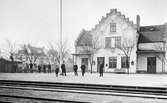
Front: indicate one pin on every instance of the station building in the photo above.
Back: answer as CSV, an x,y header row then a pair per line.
x,y
122,45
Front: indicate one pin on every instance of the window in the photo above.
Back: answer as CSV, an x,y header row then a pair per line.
x,y
112,42
112,62
125,62
112,27
117,42
108,42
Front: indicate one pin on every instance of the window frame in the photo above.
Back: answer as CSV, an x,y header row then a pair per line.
x,y
112,27
117,41
112,61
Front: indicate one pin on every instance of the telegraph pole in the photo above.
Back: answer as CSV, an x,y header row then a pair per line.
x,y
60,32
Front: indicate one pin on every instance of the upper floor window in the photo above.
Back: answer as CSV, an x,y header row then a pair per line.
x,y
112,27
117,42
112,42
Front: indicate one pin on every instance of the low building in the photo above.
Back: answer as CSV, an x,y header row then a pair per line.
x,y
8,66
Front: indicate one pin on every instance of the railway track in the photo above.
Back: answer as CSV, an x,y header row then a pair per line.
x,y
95,89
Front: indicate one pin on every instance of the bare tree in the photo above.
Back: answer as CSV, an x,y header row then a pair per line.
x,y
54,51
160,48
126,47
11,49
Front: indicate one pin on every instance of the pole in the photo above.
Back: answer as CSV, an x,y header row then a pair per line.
x,y
60,32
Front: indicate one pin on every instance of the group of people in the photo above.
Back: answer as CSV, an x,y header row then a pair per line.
x,y
44,68
63,69
75,67
83,68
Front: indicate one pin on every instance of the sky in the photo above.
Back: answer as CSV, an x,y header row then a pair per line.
x,y
38,21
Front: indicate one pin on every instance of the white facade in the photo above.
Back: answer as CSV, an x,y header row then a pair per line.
x,y
149,45
124,29
142,63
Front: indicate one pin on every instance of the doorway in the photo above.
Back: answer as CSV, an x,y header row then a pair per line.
x,y
151,64
99,60
85,61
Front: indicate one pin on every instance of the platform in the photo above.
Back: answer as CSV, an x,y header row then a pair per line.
x,y
153,80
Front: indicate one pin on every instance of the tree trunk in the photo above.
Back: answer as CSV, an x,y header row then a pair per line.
x,y
91,68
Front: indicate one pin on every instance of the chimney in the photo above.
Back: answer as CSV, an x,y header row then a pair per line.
x,y
138,22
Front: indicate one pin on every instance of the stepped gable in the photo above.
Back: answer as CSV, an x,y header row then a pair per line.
x,y
84,39
149,34
113,11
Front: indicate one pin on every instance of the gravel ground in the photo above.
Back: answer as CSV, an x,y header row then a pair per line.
x,y
75,96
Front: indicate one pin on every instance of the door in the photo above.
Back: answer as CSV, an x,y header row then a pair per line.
x,y
85,61
99,60
151,64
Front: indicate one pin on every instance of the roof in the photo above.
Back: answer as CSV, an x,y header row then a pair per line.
x,y
85,38
36,50
32,50
150,34
113,12
149,51
81,54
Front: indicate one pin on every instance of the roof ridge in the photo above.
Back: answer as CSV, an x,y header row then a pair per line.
x,y
151,25
83,32
112,11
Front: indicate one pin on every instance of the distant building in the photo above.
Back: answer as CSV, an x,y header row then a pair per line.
x,y
7,66
32,54
105,42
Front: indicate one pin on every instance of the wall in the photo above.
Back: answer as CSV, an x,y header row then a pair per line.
x,y
142,62
151,46
124,29
114,53
78,62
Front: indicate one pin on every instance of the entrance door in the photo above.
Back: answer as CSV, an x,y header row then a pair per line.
x,y
85,61
99,60
151,64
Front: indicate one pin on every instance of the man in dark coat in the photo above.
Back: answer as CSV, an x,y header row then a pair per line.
x,y
44,68
83,67
57,70
39,68
31,67
101,69
75,70
63,68
49,68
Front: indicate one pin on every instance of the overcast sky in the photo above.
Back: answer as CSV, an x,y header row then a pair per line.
x,y
37,21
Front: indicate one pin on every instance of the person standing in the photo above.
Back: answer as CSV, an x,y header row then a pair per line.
x,y
75,70
57,70
49,68
31,67
83,67
44,68
39,68
101,69
63,68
